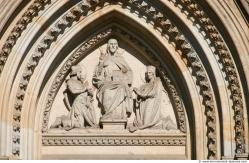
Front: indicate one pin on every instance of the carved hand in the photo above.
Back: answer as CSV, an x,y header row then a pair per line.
x,y
102,54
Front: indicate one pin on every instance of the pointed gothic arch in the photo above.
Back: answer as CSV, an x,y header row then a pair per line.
x,y
207,79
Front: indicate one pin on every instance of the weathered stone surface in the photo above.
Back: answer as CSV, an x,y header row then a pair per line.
x,y
72,74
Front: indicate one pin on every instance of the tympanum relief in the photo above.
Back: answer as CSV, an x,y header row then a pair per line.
x,y
115,92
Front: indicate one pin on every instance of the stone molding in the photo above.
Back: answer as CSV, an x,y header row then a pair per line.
x,y
243,156
117,140
228,67
177,102
21,25
167,28
205,22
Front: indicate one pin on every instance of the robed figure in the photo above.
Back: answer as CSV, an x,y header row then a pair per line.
x,y
148,108
113,79
78,99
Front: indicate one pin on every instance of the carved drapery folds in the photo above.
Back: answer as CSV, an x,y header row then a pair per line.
x,y
61,76
78,98
59,80
181,119
152,13
160,21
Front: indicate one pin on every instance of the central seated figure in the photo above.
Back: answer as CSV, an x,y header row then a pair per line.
x,y
113,78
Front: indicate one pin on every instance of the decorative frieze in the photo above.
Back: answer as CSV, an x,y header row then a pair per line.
x,y
181,117
83,140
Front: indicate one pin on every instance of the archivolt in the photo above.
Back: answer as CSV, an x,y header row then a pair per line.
x,y
89,44
167,29
198,16
163,24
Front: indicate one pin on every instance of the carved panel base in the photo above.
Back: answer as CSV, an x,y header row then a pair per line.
x,y
243,156
113,124
100,144
4,158
113,152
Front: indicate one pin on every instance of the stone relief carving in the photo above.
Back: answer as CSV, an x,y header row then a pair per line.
x,y
159,19
85,46
148,108
193,9
78,99
176,100
113,78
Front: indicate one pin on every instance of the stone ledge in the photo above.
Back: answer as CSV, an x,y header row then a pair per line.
x,y
113,152
227,158
113,124
243,156
4,158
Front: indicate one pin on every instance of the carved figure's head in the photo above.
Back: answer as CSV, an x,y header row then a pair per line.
x,y
77,71
150,73
112,46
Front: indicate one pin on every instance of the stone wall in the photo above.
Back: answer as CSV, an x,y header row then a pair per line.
x,y
200,51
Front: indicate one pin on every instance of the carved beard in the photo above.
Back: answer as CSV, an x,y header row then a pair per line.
x,y
149,78
113,50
